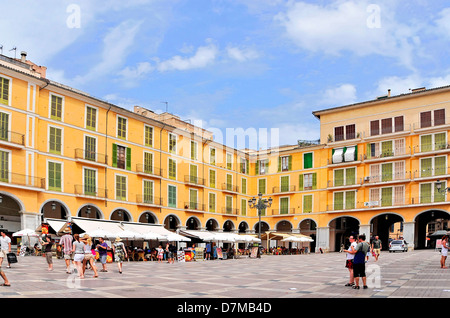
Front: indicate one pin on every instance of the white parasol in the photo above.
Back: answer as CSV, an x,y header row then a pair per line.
x,y
25,232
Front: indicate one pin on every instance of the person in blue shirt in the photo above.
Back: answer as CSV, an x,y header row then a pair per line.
x,y
208,251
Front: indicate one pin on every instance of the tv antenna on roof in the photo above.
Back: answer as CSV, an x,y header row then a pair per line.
x,y
15,51
167,106
1,49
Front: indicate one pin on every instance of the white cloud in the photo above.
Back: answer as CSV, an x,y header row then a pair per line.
x,y
204,56
342,95
349,26
241,55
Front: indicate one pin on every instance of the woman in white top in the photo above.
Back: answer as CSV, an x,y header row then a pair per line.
x,y
78,252
349,260
444,251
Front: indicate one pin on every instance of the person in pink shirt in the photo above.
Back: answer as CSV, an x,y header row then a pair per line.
x,y
66,243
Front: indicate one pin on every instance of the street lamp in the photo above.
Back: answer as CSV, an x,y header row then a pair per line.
x,y
260,205
439,187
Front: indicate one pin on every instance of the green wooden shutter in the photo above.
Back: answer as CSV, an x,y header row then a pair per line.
x,y
439,196
426,167
426,143
114,155
284,184
290,163
247,170
338,201
257,167
386,196
386,149
425,193
307,203
314,180
386,172
4,90
338,177
307,160
350,176
279,164
439,141
4,124
440,165
128,158
350,200
300,182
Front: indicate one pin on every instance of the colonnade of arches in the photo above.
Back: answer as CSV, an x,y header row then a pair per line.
x,y
337,230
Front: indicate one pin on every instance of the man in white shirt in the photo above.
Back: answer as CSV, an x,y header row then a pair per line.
x,y
349,259
5,247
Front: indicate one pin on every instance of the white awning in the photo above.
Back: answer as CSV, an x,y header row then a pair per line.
x,y
89,225
338,155
350,154
56,225
201,235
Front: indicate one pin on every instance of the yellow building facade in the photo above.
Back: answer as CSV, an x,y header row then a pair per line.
x,y
64,153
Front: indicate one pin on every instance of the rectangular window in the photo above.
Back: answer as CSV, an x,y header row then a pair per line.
x,y
193,204
121,127
121,188
229,182
262,166
425,119
244,185
212,202
148,162
307,203
308,181
243,165
386,196
172,169
4,91
374,127
350,132
91,118
148,138
194,146
284,205
386,126
398,124
4,126
90,182
229,161
56,107
243,207
439,117
90,148
307,160
172,196
4,166
54,176
193,174
262,186
121,157
148,191
339,133
284,181
55,140
212,178
172,143
286,163
434,166
228,204
212,156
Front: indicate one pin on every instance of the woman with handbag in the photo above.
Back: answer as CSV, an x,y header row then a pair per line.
x,y
120,253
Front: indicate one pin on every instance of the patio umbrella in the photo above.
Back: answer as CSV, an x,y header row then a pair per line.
x,y
25,232
292,239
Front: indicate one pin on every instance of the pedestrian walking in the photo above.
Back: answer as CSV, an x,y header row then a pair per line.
x,y
88,256
6,282
349,260
444,250
78,254
376,247
102,249
160,254
5,248
47,244
66,243
169,253
120,253
359,265
208,251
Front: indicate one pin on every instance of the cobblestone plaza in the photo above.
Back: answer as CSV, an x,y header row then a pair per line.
x,y
415,274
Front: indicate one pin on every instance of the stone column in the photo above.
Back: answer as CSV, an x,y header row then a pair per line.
x,y
323,239
364,229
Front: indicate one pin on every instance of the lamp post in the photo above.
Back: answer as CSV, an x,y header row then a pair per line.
x,y
259,204
439,187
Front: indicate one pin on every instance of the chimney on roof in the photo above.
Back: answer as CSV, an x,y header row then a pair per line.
x,y
23,58
389,92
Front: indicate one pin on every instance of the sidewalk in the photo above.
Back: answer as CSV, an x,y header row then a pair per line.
x,y
411,274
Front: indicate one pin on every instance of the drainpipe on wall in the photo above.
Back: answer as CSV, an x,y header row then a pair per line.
x,y
106,158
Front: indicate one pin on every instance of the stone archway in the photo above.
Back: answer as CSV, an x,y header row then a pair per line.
x,y
10,214
381,226
148,217
121,215
172,222
423,220
340,229
193,223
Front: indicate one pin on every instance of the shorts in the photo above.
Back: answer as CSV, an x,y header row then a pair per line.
x,y
103,258
359,270
49,256
78,257
377,251
68,256
88,257
3,254
349,264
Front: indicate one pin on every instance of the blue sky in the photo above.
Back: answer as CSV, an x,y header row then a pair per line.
x,y
250,64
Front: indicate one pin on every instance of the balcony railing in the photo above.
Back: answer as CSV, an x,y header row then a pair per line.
x,y
146,169
148,200
229,187
91,191
228,210
283,211
91,156
194,206
22,180
282,189
194,180
12,137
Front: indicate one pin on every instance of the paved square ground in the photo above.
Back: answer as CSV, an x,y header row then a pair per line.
x,y
395,275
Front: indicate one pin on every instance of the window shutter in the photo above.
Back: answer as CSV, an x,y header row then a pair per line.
x,y
314,181
257,167
279,164
425,119
290,163
247,167
128,158
300,182
439,117
114,155
374,127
